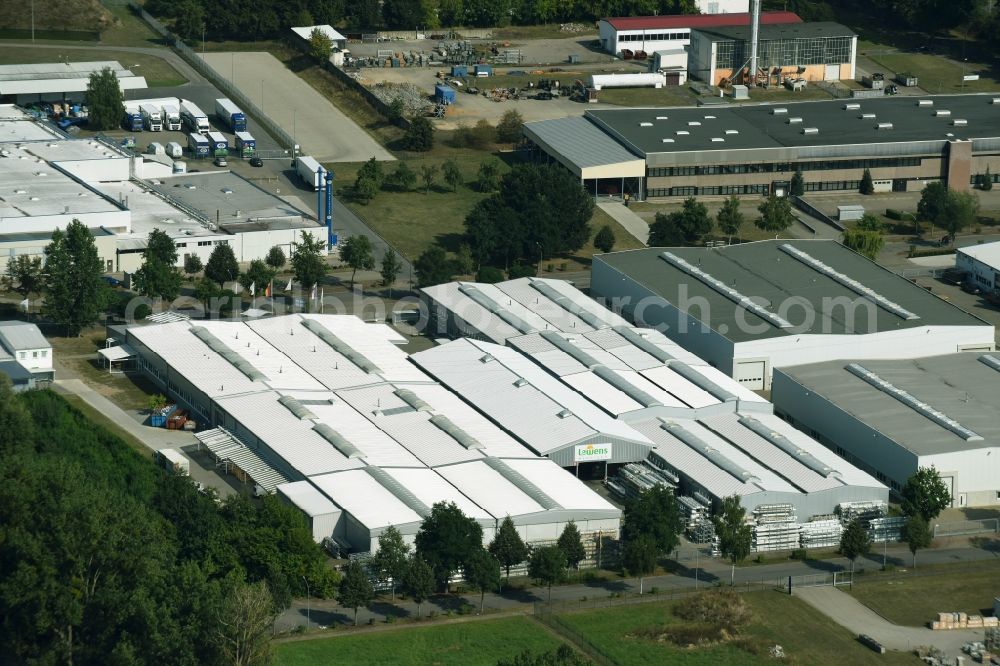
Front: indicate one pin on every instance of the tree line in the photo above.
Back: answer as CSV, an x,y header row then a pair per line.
x,y
108,560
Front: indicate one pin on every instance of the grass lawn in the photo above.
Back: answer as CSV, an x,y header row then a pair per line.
x,y
100,419
546,31
78,354
916,600
158,72
935,73
666,96
468,643
807,636
128,29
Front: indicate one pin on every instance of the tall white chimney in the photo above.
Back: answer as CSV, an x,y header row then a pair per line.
x,y
754,38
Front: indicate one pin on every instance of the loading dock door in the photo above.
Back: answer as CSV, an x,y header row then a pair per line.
x,y
751,374
949,482
832,73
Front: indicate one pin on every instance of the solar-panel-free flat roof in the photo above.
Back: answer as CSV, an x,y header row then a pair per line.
x,y
765,273
839,123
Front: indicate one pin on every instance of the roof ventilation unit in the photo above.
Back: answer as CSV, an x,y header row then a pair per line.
x,y
867,116
645,124
852,107
714,456
412,399
554,295
682,132
789,447
942,112
567,347
925,102
520,381
718,139
643,344
883,126
337,441
455,432
793,120
694,123
732,131
662,118
990,360
522,483
297,408
779,110
625,386
668,141
810,130
995,100
959,122
340,346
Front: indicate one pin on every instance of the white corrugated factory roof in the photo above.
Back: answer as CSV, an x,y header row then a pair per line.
x,y
371,503
306,497
489,489
305,32
988,253
430,488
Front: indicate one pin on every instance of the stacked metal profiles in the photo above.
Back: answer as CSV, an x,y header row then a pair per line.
x,y
889,528
635,478
775,527
821,532
863,511
697,522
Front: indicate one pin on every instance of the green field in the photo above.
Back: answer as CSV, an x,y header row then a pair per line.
x,y
935,73
466,644
807,636
916,600
158,72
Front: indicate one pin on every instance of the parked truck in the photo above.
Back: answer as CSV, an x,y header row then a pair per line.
x,y
152,117
218,142
173,461
231,115
171,117
309,171
246,145
194,118
199,145
133,120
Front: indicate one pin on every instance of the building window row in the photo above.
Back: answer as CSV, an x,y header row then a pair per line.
x,y
785,52
825,186
654,37
783,167
761,189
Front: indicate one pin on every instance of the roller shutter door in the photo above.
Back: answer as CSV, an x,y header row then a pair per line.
x,y
751,374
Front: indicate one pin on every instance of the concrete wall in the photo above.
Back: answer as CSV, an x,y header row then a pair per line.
x,y
36,247
975,475
114,220
959,165
986,277
723,6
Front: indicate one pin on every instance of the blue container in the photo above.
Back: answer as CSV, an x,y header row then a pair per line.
x,y
459,70
444,94
484,69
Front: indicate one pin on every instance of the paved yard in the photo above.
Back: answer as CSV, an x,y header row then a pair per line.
x,y
318,126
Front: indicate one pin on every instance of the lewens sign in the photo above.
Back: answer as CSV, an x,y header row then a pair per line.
x,y
591,452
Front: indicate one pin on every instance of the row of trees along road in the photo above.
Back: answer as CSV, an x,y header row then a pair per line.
x,y
692,223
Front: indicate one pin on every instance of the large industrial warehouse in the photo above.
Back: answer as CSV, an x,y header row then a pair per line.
x,y
750,308
892,417
571,386
333,401
756,148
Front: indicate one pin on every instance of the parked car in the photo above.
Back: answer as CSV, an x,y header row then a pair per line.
x,y
971,288
221,162
256,162
112,281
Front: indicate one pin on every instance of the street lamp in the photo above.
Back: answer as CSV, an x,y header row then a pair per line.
x,y
538,273
308,618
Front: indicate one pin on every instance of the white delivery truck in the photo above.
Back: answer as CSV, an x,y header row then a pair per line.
x,y
152,117
171,117
195,119
175,150
309,171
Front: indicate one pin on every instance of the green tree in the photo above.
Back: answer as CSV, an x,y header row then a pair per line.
x,y
403,178
507,546
372,169
867,185
571,544
158,277
735,534
428,174
365,188
959,212
464,263
395,109
639,557
308,264
865,243
15,421
24,275
510,126
418,581
855,542
320,45
917,534
222,266
605,239
548,566
653,513
357,253
391,266
275,258
403,14
105,102
489,175
391,559
432,267
482,572
561,656
986,181
686,226
925,494
190,21
775,215
192,264
246,620
798,185
932,201
75,293
870,222
453,175
730,219
489,275
419,136
447,540
258,275
355,589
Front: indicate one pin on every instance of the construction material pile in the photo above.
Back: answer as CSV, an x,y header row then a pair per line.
x,y
775,527
415,101
963,621
821,532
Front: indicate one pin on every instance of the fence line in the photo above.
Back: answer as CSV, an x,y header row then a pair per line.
x,y
962,527
224,85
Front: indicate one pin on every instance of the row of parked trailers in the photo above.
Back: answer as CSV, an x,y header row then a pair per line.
x,y
215,144
157,115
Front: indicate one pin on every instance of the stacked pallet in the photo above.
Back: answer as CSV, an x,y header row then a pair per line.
x,y
775,527
863,511
821,532
886,529
635,478
957,620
